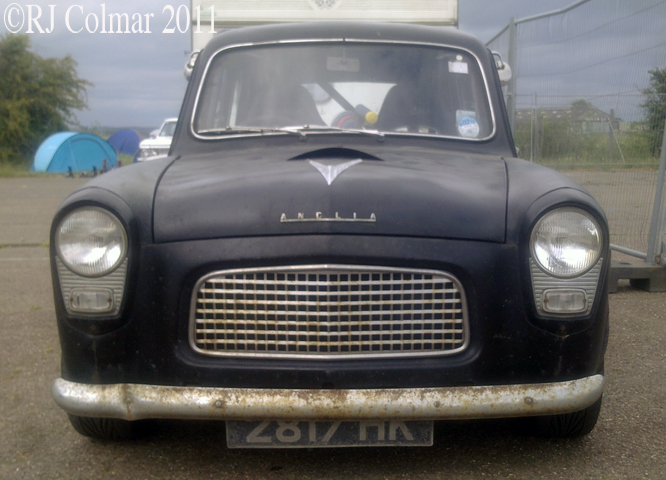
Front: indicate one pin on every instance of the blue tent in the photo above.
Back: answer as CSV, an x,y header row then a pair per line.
x,y
126,141
80,151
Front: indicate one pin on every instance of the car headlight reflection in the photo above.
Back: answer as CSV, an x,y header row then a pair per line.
x,y
566,242
91,241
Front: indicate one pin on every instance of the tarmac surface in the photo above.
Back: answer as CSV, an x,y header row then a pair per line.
x,y
37,442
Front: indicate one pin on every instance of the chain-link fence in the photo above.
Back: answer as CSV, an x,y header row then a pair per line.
x,y
588,97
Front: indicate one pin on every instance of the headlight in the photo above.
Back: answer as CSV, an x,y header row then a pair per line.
x,y
566,242
91,241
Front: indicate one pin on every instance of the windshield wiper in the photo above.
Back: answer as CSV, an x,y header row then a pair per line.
x,y
242,130
305,129
301,131
231,130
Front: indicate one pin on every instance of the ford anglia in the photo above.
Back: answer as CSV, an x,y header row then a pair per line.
x,y
340,248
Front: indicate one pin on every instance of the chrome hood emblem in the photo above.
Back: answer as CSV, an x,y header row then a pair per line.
x,y
330,169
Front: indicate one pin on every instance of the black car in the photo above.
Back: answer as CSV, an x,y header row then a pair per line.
x,y
340,248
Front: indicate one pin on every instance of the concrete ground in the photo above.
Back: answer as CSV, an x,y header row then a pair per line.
x,y
37,442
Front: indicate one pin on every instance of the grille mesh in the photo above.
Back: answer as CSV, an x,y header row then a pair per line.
x,y
328,311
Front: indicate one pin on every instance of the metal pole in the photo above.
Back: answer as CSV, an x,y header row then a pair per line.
x,y
655,241
532,127
537,129
628,251
610,135
511,91
537,17
554,12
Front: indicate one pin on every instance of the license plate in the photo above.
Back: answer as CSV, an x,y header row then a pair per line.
x,y
312,434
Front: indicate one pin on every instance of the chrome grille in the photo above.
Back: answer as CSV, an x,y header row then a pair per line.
x,y
328,311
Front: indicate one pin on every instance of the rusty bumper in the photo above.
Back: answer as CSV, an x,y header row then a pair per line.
x,y
136,402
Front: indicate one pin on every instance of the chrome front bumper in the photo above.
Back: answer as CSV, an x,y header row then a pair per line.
x,y
136,402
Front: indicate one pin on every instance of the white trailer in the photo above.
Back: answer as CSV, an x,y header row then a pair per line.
x,y
212,16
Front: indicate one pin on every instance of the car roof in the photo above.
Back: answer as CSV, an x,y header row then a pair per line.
x,y
345,31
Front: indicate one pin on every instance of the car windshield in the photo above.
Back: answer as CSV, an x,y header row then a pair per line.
x,y
168,129
392,88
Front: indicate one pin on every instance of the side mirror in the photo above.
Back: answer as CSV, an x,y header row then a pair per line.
x,y
503,69
189,66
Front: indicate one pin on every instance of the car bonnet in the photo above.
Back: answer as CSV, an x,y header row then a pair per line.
x,y
455,196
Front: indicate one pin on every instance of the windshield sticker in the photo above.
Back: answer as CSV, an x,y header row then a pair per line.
x,y
467,125
458,67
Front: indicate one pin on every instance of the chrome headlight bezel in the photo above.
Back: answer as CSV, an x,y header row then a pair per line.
x,y
596,238
119,244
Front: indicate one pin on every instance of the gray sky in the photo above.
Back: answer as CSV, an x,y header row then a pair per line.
x,y
138,78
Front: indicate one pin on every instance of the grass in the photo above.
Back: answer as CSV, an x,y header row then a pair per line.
x,y
10,170
557,147
13,245
568,162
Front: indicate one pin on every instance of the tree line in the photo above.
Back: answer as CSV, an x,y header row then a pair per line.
x,y
38,97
